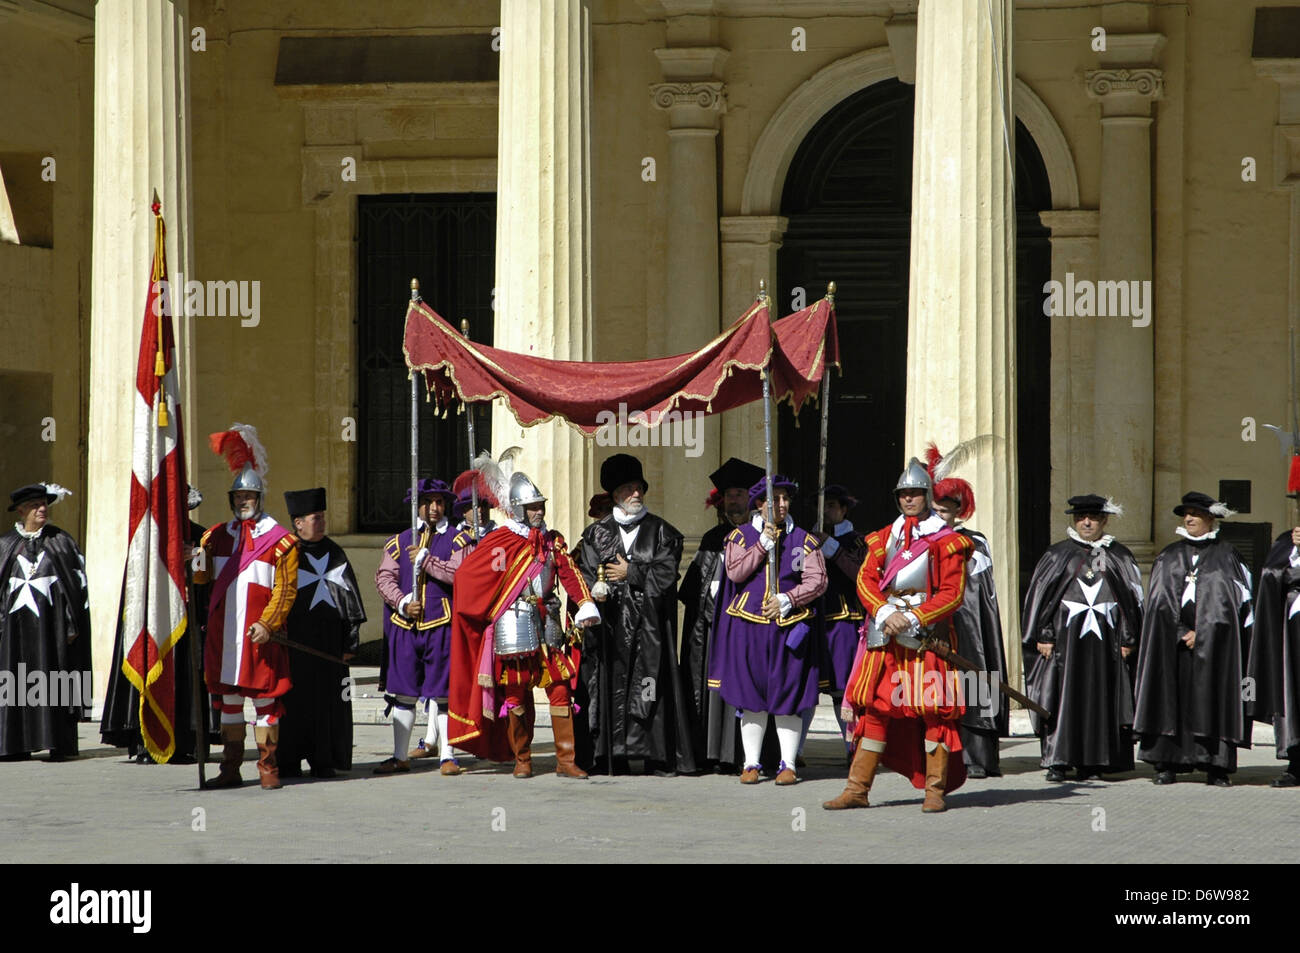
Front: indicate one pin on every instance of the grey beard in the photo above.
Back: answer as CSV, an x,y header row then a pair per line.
x,y
631,508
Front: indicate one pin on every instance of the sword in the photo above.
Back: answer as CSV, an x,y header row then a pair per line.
x,y
290,644
945,651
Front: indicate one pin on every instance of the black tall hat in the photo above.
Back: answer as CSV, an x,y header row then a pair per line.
x,y
304,502
1092,503
1202,501
736,473
619,469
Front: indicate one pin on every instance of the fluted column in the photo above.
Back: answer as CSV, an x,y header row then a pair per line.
x,y
1124,409
142,143
543,229
961,328
694,101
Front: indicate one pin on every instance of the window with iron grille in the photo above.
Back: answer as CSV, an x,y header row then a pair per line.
x,y
448,242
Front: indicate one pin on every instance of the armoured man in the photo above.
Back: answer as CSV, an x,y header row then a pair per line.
x,y
506,632
905,700
253,564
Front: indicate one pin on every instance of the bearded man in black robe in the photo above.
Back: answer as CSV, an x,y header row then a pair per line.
x,y
715,725
1190,710
326,616
635,704
44,631
1082,619
1274,668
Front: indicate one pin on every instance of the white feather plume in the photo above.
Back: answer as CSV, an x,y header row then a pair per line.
x,y
496,474
1113,508
249,434
1222,511
57,491
964,451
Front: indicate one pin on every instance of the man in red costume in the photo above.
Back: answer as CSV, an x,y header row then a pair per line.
x,y
506,630
907,701
252,562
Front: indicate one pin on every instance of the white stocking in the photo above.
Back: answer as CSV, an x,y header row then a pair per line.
x,y
436,723
446,752
752,726
787,735
403,722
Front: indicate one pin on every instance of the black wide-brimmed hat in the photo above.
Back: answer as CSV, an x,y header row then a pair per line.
x,y
841,493
33,491
619,469
735,473
1092,503
305,502
1202,501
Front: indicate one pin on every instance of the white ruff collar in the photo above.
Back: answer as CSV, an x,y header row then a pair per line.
x,y
931,524
757,522
629,519
520,529
24,534
263,525
1095,544
1212,534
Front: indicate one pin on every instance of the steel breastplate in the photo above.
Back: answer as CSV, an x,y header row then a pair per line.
x,y
915,574
913,578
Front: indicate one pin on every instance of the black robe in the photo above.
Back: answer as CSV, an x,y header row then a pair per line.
x,y
120,724
1274,667
326,616
979,638
1086,684
44,603
715,726
1190,710
636,643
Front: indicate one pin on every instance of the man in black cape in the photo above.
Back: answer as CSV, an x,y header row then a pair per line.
x,y
326,616
979,633
715,725
44,631
1082,619
1274,668
120,724
630,560
1190,712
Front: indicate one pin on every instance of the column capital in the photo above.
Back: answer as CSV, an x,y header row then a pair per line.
x,y
691,104
753,229
1125,91
1071,223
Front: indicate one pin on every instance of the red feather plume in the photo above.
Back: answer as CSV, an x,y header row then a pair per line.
x,y
229,444
485,494
715,498
932,458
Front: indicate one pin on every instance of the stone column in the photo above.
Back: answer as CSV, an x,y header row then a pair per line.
x,y
543,292
749,247
694,101
142,143
962,311
1124,409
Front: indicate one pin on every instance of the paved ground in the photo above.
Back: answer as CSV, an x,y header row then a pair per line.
x,y
103,808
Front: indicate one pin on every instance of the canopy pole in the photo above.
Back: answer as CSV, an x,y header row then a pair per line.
x,y
469,429
767,449
826,407
415,432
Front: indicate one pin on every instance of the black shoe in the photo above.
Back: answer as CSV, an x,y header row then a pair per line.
x,y
1164,777
1286,780
290,770
183,759
1218,779
323,772
1056,773
976,772
20,756
658,769
1088,774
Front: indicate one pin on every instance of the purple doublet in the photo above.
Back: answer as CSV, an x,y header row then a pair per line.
x,y
418,654
759,665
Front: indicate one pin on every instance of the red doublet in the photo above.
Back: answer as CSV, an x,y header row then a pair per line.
x,y
900,696
483,584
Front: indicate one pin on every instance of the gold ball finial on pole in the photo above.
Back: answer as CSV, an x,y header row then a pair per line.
x,y
830,290
762,288
464,328
415,289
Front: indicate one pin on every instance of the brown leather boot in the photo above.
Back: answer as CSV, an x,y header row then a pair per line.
x,y
562,728
936,779
520,734
861,773
231,755
268,739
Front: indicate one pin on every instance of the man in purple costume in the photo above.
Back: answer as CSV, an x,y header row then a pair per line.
x,y
417,628
765,659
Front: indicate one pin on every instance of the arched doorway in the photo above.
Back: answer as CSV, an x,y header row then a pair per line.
x,y
848,198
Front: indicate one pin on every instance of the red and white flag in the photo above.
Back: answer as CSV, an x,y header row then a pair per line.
x,y
153,605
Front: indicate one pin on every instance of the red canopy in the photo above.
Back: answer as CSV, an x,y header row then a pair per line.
x,y
723,374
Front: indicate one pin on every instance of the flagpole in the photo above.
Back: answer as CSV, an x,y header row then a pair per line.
x,y
415,433
469,428
826,406
767,444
